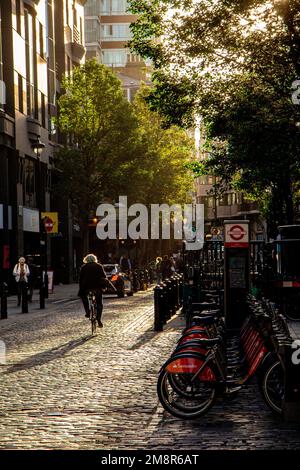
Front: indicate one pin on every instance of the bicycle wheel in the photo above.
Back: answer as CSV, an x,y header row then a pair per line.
x,y
183,395
272,386
93,319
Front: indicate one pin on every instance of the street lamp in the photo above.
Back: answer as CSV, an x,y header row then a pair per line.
x,y
38,147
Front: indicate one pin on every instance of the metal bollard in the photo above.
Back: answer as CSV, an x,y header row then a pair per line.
x,y
173,295
177,292
24,294
158,322
163,302
168,299
42,294
3,293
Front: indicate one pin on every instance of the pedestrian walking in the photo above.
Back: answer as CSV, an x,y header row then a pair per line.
x,y
172,265
125,264
33,270
158,262
166,268
21,274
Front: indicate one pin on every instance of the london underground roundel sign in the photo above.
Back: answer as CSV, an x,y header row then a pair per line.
x,y
236,235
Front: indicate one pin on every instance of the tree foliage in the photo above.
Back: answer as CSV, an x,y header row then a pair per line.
x,y
114,147
233,63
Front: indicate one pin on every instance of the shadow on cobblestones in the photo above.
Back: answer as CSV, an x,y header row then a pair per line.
x,y
143,339
47,356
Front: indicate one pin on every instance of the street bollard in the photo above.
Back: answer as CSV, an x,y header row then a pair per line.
x,y
168,298
42,294
158,323
3,293
24,294
176,289
135,281
163,302
173,296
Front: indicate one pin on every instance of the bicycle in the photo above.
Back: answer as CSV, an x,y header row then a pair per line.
x,y
93,310
202,368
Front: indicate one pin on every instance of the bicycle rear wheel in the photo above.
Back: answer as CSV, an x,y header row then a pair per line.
x,y
272,386
94,325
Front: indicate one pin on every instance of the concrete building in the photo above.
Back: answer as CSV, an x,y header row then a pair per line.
x,y
40,40
107,31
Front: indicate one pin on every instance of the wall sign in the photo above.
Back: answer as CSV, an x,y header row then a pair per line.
x,y
237,235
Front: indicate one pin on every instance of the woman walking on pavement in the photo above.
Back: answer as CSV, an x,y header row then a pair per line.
x,y
21,273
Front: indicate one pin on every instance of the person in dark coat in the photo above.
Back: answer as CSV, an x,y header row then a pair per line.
x,y
166,268
92,278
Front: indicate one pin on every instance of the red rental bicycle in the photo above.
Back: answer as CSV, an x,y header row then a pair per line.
x,y
202,368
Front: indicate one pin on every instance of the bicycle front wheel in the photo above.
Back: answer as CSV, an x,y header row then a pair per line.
x,y
183,395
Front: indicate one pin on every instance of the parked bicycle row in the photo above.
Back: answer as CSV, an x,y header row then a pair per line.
x,y
210,361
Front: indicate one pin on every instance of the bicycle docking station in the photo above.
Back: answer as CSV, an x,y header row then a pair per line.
x,y
236,272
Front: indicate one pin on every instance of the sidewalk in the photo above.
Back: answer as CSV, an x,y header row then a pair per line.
x,y
61,294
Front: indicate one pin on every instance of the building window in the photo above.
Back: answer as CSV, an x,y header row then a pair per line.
x,y
68,65
43,110
114,7
117,32
67,13
42,41
116,58
29,183
21,170
48,181
92,8
30,64
20,94
18,15
81,31
210,202
92,30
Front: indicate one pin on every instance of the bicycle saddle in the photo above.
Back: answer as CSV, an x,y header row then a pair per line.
x,y
207,320
210,312
209,342
204,304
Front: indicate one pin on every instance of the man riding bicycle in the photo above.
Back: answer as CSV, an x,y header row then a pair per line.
x,y
92,278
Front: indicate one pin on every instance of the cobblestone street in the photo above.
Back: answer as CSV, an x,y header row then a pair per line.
x,y
63,389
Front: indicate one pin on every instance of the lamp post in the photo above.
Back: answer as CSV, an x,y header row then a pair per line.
x,y
38,147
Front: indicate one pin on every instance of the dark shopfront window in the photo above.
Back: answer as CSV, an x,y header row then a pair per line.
x,y
30,35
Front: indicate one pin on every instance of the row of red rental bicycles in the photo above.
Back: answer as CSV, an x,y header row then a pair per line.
x,y
210,361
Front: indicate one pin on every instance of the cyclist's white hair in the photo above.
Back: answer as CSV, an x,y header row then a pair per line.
x,y
90,258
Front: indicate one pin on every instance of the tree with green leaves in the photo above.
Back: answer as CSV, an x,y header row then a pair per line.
x,y
232,62
99,125
116,148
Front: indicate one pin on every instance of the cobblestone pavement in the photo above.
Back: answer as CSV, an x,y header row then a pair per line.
x,y
63,389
